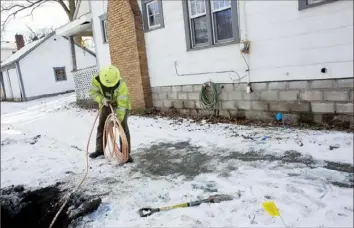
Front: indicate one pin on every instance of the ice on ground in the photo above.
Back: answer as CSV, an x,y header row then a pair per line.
x,y
308,174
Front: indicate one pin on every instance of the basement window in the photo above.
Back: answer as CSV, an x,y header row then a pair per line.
x,y
60,74
152,15
104,28
304,4
210,23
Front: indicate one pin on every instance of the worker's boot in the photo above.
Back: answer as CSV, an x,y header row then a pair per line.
x,y
95,154
130,159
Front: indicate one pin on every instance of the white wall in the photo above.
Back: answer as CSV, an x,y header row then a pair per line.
x,y
7,84
37,67
102,49
286,44
5,53
15,83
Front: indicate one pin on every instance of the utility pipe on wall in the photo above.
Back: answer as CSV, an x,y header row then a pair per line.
x,y
242,9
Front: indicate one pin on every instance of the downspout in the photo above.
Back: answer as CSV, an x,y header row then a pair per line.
x,y
19,75
245,56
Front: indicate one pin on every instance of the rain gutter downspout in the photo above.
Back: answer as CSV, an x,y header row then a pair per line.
x,y
243,9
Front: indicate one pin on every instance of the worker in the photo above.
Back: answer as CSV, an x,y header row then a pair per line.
x,y
109,88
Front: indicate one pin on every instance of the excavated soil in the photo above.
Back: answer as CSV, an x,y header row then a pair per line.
x,y
21,207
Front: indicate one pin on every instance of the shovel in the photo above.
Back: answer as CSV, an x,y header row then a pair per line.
x,y
147,211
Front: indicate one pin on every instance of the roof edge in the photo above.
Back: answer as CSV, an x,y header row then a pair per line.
x,y
29,51
83,48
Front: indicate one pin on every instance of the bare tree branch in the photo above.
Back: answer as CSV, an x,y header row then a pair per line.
x,y
35,7
11,7
15,7
21,8
29,28
38,34
66,9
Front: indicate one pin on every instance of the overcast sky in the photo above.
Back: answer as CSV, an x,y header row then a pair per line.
x,y
48,15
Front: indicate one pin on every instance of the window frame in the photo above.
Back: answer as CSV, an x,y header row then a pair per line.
x,y
146,21
190,18
214,25
303,4
55,73
103,25
212,41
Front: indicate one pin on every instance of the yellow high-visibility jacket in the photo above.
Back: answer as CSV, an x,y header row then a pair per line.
x,y
116,95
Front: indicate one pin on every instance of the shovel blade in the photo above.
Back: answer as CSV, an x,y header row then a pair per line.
x,y
220,198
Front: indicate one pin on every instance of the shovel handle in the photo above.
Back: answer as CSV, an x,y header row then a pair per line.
x,y
147,211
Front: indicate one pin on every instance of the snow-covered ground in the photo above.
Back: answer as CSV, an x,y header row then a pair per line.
x,y
308,174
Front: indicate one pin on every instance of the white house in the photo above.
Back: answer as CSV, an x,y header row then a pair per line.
x,y
266,56
7,49
42,68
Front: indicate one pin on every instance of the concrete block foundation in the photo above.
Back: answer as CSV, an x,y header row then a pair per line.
x,y
317,101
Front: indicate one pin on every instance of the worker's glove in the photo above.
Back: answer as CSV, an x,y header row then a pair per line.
x,y
105,102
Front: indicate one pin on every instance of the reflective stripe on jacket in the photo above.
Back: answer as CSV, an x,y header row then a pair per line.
x,y
117,94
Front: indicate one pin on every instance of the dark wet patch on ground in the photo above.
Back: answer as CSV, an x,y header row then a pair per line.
x,y
290,156
32,141
287,157
21,207
184,159
342,167
176,159
343,185
206,187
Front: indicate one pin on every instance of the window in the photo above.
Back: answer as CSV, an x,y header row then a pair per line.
x,y
103,20
304,4
60,74
222,20
210,22
152,15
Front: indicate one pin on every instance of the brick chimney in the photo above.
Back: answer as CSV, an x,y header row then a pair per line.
x,y
19,41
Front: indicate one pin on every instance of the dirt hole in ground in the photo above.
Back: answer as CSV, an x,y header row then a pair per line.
x,y
36,208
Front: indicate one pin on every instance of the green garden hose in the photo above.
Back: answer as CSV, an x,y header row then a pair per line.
x,y
209,98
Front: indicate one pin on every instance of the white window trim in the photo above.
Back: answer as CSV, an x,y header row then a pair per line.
x,y
191,17
220,9
148,16
196,15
